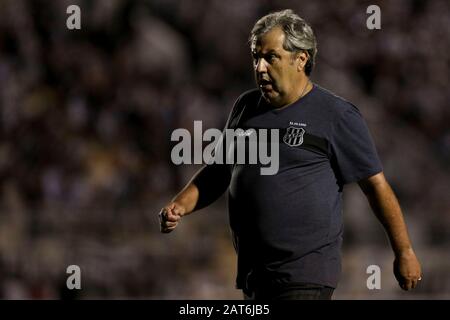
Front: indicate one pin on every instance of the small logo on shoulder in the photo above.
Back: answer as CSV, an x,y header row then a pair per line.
x,y
294,136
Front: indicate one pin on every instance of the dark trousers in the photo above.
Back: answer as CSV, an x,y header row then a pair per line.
x,y
297,292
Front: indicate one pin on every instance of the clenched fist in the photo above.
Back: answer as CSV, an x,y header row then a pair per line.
x,y
407,270
170,216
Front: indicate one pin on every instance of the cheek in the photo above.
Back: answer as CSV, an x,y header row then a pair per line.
x,y
288,80
279,83
280,76
276,78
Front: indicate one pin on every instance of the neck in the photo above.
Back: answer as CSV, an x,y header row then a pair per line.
x,y
304,87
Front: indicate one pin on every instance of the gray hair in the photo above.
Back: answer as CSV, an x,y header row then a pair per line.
x,y
299,35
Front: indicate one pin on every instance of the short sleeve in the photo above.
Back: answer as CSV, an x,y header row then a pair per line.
x,y
354,153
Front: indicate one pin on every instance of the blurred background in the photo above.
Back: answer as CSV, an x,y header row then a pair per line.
x,y
85,123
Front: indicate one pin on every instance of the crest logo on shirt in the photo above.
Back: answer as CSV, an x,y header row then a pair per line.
x,y
294,136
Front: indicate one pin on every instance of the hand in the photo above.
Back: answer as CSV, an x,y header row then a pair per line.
x,y
407,270
170,216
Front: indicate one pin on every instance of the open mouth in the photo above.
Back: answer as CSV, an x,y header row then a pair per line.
x,y
265,84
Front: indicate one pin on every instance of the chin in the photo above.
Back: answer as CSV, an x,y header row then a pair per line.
x,y
269,97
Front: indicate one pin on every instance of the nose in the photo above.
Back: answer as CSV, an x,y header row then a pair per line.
x,y
261,65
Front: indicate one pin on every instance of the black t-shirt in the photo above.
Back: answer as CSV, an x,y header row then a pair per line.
x,y
287,227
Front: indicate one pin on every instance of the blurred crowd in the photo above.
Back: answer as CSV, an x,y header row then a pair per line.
x,y
86,118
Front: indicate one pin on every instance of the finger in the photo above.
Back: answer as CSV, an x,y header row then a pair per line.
x,y
169,224
178,211
166,214
162,214
167,229
416,282
171,216
407,284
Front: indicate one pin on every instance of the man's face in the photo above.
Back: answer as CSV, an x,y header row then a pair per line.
x,y
276,70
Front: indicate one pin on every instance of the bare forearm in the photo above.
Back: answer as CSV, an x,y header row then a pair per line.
x,y
385,205
187,198
203,189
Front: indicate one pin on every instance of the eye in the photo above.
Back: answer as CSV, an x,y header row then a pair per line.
x,y
271,58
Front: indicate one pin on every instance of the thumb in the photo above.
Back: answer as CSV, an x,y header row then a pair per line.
x,y
178,210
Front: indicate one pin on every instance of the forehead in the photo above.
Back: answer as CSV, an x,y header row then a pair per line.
x,y
271,40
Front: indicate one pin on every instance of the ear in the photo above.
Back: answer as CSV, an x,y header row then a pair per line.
x,y
301,59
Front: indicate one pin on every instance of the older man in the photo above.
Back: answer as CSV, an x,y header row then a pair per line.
x,y
287,227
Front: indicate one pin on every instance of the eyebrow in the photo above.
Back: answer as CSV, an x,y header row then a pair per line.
x,y
272,51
